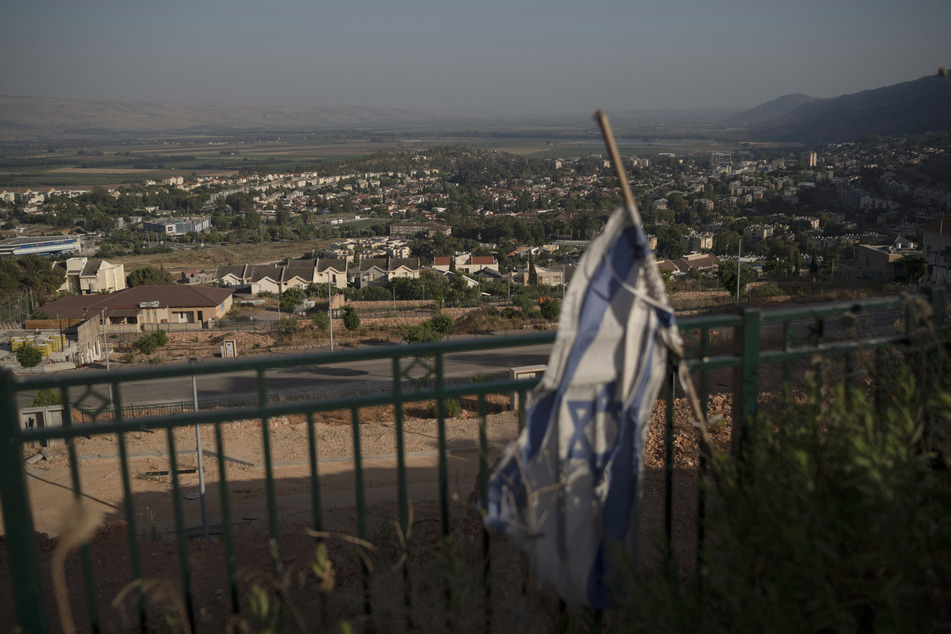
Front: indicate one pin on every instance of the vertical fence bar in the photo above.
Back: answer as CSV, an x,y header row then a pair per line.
x,y
226,519
820,365
704,397
443,459
314,475
746,390
181,533
92,604
273,526
484,508
131,529
361,505
18,517
402,496
939,307
787,365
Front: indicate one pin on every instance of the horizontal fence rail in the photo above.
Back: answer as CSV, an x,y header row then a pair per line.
x,y
738,353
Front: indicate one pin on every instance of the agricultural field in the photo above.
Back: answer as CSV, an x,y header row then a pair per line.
x,y
82,164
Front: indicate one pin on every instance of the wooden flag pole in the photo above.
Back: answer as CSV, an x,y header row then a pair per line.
x,y
703,435
618,166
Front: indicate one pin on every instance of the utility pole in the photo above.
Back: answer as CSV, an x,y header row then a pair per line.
x,y
330,314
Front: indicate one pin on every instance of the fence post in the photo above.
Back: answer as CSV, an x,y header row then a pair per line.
x,y
17,515
746,377
939,298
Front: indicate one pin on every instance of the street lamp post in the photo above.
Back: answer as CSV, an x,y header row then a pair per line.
x,y
198,451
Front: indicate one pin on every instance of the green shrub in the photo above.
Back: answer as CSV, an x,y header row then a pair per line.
x,y
46,397
451,406
288,325
769,289
441,324
550,309
321,321
29,356
151,342
836,520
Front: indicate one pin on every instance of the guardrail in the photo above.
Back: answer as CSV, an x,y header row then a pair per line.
x,y
728,352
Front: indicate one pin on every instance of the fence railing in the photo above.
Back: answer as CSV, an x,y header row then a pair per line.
x,y
737,354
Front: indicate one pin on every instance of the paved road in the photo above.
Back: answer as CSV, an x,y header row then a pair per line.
x,y
314,381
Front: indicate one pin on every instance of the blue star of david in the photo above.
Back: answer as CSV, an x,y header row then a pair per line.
x,y
584,412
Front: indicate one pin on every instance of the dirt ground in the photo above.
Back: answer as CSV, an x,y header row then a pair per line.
x,y
434,570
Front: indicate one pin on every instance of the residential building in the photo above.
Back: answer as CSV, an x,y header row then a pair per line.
x,y
695,262
268,278
546,277
411,229
877,262
755,233
147,307
177,226
695,242
84,276
379,271
333,271
191,276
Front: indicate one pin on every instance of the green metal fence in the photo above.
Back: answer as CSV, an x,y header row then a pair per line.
x,y
740,354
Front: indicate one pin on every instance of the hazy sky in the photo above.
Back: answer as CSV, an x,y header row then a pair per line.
x,y
515,57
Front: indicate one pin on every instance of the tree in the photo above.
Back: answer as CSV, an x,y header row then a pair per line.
x,y
148,344
290,299
46,397
148,276
351,320
420,333
441,324
550,308
532,273
321,321
913,269
29,356
726,272
287,325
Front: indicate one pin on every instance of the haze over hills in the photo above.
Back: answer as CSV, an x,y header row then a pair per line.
x,y
772,110
910,107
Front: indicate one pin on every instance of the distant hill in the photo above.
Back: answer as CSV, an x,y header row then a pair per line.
x,y
912,107
774,109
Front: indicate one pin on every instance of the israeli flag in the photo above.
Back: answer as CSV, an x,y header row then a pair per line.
x,y
568,490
